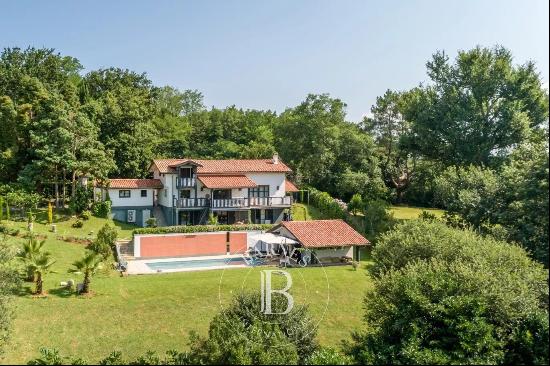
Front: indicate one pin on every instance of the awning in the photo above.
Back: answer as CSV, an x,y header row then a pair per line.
x,y
290,187
273,239
226,181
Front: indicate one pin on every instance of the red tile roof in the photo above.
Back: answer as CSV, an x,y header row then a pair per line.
x,y
323,233
135,183
224,166
290,187
226,181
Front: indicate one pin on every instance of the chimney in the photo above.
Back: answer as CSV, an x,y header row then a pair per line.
x,y
275,158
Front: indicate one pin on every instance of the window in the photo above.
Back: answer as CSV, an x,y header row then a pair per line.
x,y
260,191
124,193
165,192
143,193
269,216
185,193
221,194
186,172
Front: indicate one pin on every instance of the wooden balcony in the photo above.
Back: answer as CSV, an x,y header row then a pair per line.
x,y
185,182
234,203
192,203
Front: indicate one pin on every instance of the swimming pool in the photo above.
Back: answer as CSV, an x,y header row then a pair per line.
x,y
197,263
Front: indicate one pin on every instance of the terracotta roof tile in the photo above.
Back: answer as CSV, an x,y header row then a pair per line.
x,y
226,181
323,233
135,183
290,187
224,166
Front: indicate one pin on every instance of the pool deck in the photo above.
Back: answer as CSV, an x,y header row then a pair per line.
x,y
139,266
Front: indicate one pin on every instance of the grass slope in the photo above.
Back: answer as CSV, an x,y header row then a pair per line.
x,y
157,312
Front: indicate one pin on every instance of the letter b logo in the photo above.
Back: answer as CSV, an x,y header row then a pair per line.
x,y
267,291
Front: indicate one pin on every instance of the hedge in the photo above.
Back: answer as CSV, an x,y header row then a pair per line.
x,y
326,204
200,229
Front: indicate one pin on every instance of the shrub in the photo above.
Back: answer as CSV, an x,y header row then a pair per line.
x,y
81,200
450,296
151,222
85,215
102,209
212,220
105,240
1,208
243,334
328,356
428,216
201,229
377,219
77,224
355,204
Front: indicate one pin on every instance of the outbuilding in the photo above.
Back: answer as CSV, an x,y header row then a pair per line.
x,y
330,240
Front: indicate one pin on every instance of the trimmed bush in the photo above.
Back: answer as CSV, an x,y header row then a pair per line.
x,y
77,224
85,215
201,229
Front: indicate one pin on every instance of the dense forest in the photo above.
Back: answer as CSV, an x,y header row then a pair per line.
x,y
472,138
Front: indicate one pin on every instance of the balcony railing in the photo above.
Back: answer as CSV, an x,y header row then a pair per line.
x,y
270,201
234,202
230,203
192,202
185,182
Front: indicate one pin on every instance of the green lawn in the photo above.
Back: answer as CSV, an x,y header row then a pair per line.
x,y
64,225
409,212
156,312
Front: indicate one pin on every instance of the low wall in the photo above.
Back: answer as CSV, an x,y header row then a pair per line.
x,y
195,244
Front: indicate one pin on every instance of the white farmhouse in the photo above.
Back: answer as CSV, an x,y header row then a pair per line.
x,y
187,191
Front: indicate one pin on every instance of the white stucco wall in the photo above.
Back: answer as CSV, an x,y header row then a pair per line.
x,y
168,181
134,200
274,180
337,253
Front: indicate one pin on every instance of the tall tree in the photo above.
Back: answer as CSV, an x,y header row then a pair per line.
x,y
326,151
475,109
388,126
121,103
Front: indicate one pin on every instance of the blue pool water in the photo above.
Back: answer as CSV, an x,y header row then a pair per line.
x,y
196,263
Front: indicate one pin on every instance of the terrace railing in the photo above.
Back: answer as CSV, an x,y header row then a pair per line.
x,y
234,202
270,201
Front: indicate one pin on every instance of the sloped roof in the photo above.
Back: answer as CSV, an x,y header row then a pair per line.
x,y
323,233
226,181
135,183
290,187
224,166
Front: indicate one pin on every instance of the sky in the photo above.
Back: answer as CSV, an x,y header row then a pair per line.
x,y
271,54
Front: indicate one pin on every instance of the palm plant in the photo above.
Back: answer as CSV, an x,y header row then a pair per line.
x,y
32,248
88,265
41,264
